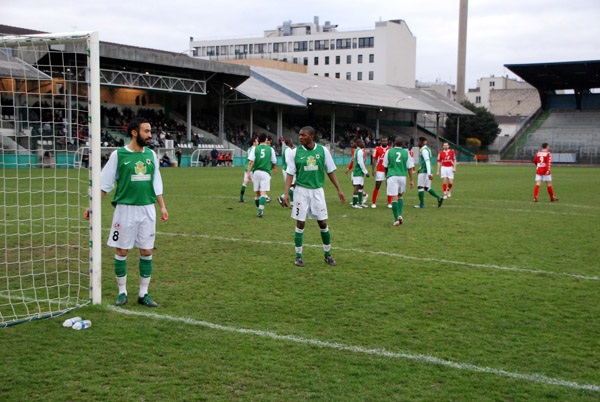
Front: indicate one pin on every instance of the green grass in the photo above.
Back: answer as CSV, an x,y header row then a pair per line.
x,y
215,262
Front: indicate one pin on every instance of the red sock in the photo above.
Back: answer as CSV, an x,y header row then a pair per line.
x,y
551,192
444,186
535,192
389,199
449,186
375,192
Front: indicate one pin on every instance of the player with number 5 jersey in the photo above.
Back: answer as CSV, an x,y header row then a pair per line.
x,y
139,185
310,162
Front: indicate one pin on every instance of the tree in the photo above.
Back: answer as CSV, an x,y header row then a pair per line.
x,y
482,126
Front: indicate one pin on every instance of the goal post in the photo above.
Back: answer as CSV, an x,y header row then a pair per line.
x,y
50,258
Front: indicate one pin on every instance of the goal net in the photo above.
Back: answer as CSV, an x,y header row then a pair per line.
x,y
49,109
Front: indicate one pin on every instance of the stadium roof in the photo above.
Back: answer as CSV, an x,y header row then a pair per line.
x,y
577,75
296,89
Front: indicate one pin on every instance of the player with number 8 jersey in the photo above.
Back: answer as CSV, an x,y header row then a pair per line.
x,y
139,185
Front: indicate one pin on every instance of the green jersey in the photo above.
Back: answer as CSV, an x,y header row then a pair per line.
x,y
135,173
357,169
397,162
311,165
248,160
263,157
425,160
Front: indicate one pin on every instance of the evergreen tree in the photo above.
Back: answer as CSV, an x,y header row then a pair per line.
x,y
482,126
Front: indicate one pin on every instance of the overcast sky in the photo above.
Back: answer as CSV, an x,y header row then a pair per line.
x,y
499,31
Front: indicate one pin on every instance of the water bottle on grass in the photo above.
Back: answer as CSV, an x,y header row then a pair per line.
x,y
82,324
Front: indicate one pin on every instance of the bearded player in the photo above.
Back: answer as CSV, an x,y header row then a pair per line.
x,y
139,185
447,160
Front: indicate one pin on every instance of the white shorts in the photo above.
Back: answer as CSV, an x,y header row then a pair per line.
x,y
380,176
358,181
246,176
285,175
546,177
396,185
447,172
423,180
309,201
133,226
261,180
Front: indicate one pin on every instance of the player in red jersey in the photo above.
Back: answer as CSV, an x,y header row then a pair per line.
x,y
447,160
378,170
543,160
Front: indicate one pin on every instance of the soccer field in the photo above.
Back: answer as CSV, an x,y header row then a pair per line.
x,y
490,297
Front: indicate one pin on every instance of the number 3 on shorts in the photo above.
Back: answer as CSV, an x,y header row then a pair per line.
x,y
115,236
297,211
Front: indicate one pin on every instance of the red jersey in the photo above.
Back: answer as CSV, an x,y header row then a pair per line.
x,y
542,162
447,158
379,154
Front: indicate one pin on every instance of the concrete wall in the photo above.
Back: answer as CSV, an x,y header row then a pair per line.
x,y
514,102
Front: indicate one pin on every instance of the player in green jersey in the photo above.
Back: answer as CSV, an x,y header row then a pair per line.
x,y
359,172
139,185
246,179
425,174
309,162
262,160
288,147
397,163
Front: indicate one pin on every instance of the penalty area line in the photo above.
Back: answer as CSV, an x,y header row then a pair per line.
x,y
407,257
538,378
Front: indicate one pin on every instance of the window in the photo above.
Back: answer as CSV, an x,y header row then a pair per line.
x,y
366,42
322,44
360,59
316,63
337,59
327,60
260,48
306,61
343,43
337,75
371,58
295,60
301,46
276,47
354,43
349,59
359,76
492,83
326,74
316,74
348,76
371,75
478,99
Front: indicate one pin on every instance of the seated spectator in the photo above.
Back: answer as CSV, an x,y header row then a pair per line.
x,y
165,161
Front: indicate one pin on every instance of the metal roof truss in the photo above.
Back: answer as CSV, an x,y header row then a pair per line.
x,y
129,79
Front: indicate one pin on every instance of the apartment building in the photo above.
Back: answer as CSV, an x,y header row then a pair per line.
x,y
383,55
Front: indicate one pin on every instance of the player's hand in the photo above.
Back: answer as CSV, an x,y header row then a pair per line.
x,y
430,177
86,214
249,176
347,172
164,215
437,174
412,185
286,200
342,196
367,175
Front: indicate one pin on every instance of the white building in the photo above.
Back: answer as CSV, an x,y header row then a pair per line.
x,y
480,96
384,55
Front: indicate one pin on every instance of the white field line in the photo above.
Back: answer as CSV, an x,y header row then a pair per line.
x,y
407,257
558,204
538,378
520,210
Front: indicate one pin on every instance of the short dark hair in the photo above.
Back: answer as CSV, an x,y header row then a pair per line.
x,y
399,142
310,130
422,139
135,123
544,145
288,142
262,137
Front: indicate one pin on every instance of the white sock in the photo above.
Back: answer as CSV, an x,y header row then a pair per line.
x,y
144,283
122,283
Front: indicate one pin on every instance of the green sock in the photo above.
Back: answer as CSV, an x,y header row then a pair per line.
x,y
242,192
120,266
261,203
360,197
421,197
354,199
400,206
298,235
432,192
326,238
145,266
291,193
395,210
256,201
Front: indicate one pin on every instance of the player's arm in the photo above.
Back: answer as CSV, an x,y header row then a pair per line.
x,y
361,162
290,172
158,190
454,163
251,158
351,165
164,215
410,164
274,160
439,160
548,164
427,164
374,161
330,169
